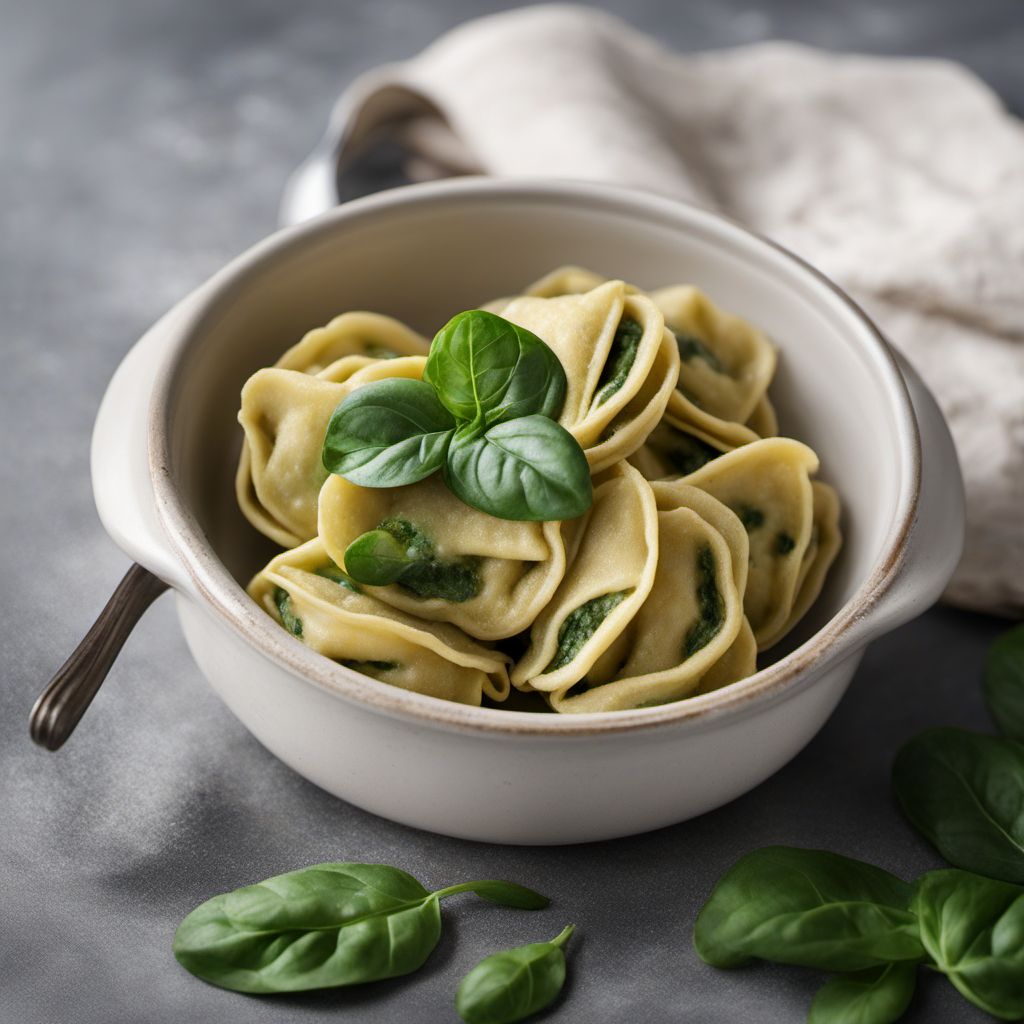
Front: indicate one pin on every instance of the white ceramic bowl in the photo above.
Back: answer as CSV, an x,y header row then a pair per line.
x,y
166,442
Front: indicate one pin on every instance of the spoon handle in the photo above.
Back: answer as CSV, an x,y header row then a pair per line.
x,y
71,690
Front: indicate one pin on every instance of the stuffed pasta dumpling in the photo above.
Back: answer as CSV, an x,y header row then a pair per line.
x,y
371,335
767,484
615,556
614,349
316,602
491,577
689,620
284,415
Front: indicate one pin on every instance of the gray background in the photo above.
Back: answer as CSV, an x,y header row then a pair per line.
x,y
144,143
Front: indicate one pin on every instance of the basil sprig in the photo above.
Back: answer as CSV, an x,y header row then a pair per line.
x,y
514,984
484,413
324,926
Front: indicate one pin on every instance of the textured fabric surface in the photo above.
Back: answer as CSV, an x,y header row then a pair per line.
x,y
901,179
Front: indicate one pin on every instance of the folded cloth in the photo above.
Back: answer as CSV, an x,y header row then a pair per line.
x,y
902,179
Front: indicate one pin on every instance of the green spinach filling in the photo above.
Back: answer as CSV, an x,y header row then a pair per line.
x,y
691,347
335,575
290,621
398,552
620,359
710,604
376,351
369,668
580,625
750,517
688,453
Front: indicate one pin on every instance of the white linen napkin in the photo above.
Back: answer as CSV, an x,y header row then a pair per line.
x,y
902,179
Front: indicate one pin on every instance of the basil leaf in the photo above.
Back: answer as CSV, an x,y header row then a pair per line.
x,y
387,434
973,928
514,984
486,369
878,995
377,558
807,907
965,793
1004,682
327,925
398,552
526,469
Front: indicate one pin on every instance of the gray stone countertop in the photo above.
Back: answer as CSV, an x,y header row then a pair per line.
x,y
145,143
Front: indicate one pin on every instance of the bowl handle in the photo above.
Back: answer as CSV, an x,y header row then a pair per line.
x,y
120,461
936,539
70,692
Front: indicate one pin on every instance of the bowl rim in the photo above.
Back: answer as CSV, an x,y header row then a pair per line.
x,y
228,600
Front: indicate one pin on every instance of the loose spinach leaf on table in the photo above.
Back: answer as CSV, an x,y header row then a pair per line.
x,y
528,469
388,434
486,369
973,928
965,793
1004,682
877,995
327,925
807,907
514,984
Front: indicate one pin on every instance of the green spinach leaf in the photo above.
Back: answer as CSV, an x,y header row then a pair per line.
x,y
323,926
397,552
377,558
878,995
965,793
973,928
528,468
486,369
1004,682
807,907
388,434
512,985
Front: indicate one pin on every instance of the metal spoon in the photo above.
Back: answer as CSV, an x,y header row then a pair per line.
x,y
68,694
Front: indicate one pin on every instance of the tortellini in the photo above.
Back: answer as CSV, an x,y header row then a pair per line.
x,y
654,659
767,484
283,413
614,348
317,603
707,540
370,335
491,577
